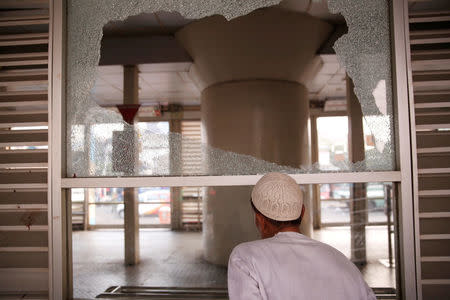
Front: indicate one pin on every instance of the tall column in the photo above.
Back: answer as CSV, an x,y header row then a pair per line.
x,y
130,195
248,118
86,209
315,187
356,152
251,71
175,168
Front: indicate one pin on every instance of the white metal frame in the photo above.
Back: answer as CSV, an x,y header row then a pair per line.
x,y
228,180
56,208
414,151
59,285
408,239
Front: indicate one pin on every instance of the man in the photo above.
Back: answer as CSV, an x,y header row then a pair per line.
x,y
286,264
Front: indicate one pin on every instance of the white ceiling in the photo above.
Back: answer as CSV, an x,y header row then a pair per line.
x,y
329,81
166,83
158,84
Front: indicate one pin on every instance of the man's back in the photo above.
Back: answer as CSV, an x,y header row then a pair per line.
x,y
292,266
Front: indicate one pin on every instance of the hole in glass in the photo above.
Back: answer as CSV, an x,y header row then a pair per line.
x,y
253,83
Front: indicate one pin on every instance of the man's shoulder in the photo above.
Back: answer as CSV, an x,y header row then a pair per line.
x,y
248,248
248,245
258,247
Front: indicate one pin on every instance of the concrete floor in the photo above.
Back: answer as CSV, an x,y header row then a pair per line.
x,y
375,273
175,259
167,259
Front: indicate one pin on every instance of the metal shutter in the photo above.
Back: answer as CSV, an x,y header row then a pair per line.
x,y
23,153
430,61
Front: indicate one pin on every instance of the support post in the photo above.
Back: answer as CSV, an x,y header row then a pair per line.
x,y
175,208
130,85
358,204
175,192
59,250
131,224
86,209
390,229
130,196
317,220
407,241
68,221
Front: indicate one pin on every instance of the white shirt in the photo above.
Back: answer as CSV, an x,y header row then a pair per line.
x,y
293,266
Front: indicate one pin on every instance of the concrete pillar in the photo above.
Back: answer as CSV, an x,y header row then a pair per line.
x,y
316,208
249,118
131,223
86,209
358,207
130,195
251,72
175,167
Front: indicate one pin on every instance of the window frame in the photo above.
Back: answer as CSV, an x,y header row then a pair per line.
x,y
59,217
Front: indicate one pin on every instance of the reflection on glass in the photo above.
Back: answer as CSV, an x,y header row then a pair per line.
x,y
78,208
155,204
336,203
376,203
375,234
377,251
153,148
105,214
104,207
333,144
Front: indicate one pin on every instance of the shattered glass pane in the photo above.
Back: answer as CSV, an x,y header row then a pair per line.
x,y
365,51
102,144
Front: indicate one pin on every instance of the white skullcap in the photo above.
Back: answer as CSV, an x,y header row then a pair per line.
x,y
278,196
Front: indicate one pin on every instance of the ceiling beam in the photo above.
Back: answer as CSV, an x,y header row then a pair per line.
x,y
136,50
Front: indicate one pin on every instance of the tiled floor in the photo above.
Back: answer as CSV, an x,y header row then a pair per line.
x,y
375,273
167,259
175,259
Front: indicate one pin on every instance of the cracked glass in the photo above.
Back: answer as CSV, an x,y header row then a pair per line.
x,y
103,144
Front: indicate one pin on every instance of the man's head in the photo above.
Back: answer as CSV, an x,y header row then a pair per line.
x,y
278,204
